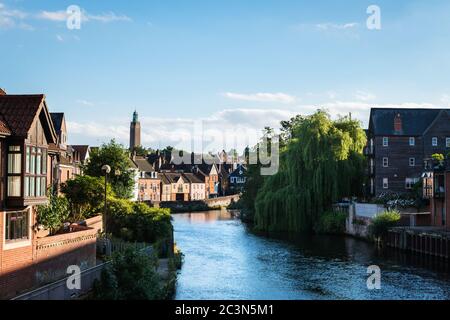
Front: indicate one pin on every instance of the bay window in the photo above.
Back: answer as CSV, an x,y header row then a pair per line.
x,y
36,172
14,171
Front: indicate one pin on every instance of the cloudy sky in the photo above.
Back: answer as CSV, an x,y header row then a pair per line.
x,y
227,67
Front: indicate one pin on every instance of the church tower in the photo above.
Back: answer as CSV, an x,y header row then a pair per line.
x,y
135,132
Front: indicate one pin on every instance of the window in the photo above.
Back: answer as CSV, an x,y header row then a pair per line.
x,y
17,226
447,142
412,141
385,162
412,162
36,172
434,141
385,141
14,171
410,182
385,183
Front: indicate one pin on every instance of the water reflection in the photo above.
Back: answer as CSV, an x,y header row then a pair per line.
x,y
226,261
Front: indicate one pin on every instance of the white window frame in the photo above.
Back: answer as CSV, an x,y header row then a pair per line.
x,y
385,183
11,245
385,141
434,142
385,162
412,162
447,142
412,141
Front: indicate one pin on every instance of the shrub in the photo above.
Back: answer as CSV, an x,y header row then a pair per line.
x,y
132,275
53,215
331,223
383,222
137,221
86,195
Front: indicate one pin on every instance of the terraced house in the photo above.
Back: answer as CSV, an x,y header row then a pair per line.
x,y
26,258
401,143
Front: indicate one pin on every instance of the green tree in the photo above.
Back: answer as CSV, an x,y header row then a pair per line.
x,y
117,157
131,276
85,195
321,163
54,214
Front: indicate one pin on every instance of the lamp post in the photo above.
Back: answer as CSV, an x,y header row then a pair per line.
x,y
106,170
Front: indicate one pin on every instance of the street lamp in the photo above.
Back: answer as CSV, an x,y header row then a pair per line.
x,y
106,170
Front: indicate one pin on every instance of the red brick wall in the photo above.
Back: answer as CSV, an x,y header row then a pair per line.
x,y
45,260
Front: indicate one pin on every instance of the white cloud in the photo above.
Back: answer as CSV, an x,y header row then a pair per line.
x,y
261,97
334,26
12,18
445,99
364,96
226,129
61,16
85,103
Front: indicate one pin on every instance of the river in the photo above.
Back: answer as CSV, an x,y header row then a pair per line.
x,y
225,261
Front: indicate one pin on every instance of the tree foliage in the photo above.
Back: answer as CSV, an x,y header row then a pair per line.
x,y
117,157
131,276
85,195
134,221
54,214
321,163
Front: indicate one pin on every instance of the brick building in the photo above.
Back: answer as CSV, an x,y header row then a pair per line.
x,y
401,143
28,259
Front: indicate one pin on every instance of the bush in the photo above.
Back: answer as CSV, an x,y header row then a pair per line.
x,y
53,215
331,223
131,276
86,195
137,221
383,222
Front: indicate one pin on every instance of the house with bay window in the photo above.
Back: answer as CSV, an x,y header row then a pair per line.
x,y
26,260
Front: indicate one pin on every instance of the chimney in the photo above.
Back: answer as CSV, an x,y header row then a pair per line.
x,y
2,92
398,123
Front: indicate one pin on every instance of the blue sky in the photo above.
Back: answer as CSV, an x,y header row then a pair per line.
x,y
234,64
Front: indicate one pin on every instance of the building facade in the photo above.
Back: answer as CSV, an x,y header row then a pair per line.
x,y
26,259
401,143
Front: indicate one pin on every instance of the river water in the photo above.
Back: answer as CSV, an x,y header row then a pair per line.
x,y
224,261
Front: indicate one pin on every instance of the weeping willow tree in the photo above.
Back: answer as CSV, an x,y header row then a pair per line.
x,y
321,163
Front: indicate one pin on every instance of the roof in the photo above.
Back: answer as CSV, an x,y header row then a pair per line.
x,y
19,113
4,129
414,121
143,164
82,150
57,118
192,178
170,177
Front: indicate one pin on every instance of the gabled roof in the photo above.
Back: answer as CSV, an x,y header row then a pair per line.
x,y
83,150
57,118
20,111
143,164
192,178
414,121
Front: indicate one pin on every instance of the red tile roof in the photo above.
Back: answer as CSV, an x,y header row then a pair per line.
x,y
19,111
